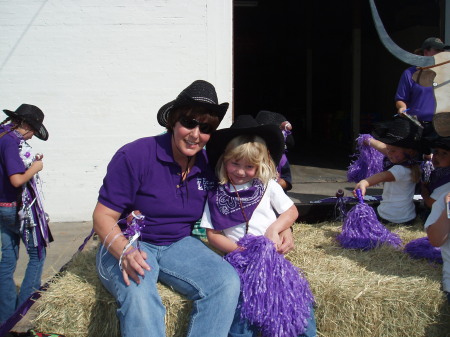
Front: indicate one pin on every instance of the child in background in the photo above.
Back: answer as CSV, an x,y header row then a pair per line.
x,y
438,229
265,117
399,140
440,176
21,212
247,197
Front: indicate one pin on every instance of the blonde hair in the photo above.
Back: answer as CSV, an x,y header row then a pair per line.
x,y
253,149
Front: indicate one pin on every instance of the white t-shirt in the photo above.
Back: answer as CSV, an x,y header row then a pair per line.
x,y
263,216
398,205
438,191
436,211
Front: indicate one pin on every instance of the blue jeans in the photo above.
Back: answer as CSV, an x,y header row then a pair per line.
x,y
10,238
189,267
241,327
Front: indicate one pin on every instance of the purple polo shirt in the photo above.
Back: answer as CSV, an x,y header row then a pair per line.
x,y
10,163
420,100
143,176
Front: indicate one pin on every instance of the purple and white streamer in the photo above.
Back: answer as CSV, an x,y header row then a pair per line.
x,y
276,296
367,163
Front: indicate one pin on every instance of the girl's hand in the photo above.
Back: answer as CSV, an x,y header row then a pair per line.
x,y
362,185
134,265
37,166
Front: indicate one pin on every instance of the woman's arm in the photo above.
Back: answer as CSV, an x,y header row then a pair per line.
x,y
283,222
133,264
220,241
19,179
377,178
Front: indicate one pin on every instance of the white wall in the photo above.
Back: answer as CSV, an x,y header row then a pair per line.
x,y
100,70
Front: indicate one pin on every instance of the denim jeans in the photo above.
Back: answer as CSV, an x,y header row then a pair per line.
x,y
241,327
10,239
189,267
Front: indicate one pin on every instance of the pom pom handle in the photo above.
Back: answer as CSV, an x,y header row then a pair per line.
x,y
360,196
339,193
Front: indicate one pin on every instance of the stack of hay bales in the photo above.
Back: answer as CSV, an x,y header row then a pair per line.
x,y
376,293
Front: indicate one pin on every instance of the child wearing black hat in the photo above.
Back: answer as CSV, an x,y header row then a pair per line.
x,y
439,181
399,141
21,210
240,217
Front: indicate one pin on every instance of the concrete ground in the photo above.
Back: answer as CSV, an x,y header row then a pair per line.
x,y
314,177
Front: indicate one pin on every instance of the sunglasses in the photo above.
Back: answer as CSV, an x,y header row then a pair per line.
x,y
192,123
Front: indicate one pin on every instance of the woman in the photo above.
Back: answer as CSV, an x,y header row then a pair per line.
x,y
21,212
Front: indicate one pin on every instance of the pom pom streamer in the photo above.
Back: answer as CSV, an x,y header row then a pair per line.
x,y
426,168
422,249
367,163
362,230
275,294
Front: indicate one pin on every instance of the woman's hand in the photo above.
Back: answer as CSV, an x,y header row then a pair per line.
x,y
287,241
134,265
273,235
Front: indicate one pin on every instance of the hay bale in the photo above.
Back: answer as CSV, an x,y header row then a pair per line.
x,y
77,304
382,292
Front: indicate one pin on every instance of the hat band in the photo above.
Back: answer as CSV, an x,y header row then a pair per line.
x,y
204,99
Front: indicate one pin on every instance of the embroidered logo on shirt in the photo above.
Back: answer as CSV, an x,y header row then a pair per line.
x,y
203,184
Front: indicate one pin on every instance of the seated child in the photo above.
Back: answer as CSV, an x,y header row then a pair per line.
x,y
438,229
440,176
247,198
400,142
265,117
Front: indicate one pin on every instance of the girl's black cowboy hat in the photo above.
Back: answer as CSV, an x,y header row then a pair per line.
x,y
33,116
199,93
245,125
400,132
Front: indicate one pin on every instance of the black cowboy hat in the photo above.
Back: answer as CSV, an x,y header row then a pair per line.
x,y
433,140
33,116
245,125
400,132
270,117
199,93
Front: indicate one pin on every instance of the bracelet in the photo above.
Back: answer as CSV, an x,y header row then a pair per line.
x,y
123,254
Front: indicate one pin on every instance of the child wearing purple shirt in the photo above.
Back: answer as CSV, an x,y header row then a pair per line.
x,y
21,212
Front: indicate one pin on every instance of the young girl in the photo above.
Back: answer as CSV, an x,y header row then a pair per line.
x,y
21,212
399,140
247,196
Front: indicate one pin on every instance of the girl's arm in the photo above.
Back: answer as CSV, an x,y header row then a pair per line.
x,y
427,200
438,232
19,179
283,222
133,264
377,145
220,241
381,177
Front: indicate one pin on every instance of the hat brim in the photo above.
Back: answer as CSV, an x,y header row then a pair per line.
x,y
166,109
39,130
271,134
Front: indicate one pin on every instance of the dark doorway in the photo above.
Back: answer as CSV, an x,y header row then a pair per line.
x,y
295,56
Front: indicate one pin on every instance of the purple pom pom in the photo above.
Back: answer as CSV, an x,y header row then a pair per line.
x,y
362,230
275,295
368,162
422,249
